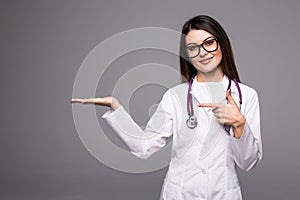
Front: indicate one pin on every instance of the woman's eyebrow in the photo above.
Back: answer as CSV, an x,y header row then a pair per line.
x,y
191,43
203,40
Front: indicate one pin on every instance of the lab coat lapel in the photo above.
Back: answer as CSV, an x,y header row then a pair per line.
x,y
214,129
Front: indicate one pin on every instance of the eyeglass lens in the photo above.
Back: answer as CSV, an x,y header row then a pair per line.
x,y
209,45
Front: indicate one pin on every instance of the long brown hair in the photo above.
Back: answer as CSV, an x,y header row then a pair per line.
x,y
207,23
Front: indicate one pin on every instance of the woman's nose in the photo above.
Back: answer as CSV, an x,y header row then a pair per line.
x,y
202,53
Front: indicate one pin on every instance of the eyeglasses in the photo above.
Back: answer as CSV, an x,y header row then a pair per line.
x,y
209,45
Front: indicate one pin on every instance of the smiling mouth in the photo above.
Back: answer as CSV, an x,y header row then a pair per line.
x,y
205,61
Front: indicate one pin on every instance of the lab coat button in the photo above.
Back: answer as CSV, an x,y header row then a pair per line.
x,y
203,171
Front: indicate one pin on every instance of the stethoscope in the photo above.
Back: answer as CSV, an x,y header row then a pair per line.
x,y
192,122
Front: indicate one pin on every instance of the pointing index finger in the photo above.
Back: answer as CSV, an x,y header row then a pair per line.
x,y
207,105
211,105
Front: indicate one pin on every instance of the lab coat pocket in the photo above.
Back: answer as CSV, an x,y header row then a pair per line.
x,y
170,191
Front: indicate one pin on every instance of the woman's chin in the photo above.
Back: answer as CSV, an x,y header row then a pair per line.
x,y
206,69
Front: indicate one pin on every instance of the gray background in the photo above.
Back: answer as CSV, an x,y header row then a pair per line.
x,y
42,45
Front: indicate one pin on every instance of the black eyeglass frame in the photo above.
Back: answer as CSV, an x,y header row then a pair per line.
x,y
201,45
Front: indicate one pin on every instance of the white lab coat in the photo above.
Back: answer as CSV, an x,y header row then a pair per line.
x,y
204,159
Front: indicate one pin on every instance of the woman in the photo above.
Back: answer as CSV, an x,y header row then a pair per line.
x,y
211,136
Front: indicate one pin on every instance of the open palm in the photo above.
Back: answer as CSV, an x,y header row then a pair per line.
x,y
104,101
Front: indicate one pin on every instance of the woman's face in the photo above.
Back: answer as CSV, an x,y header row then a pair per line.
x,y
205,62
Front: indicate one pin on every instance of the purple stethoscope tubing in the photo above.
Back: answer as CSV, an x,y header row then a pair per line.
x,y
192,122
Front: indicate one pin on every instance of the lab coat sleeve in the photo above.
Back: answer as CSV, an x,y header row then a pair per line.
x,y
247,150
143,143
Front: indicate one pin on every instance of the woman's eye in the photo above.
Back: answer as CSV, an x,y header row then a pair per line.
x,y
191,48
209,42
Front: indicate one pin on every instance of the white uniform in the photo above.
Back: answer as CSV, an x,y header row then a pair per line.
x,y
203,160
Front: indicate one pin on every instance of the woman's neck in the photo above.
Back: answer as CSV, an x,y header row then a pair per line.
x,y
214,76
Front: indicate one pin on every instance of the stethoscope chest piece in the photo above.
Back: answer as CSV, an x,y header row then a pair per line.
x,y
192,122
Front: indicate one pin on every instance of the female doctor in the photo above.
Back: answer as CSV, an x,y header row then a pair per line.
x,y
213,119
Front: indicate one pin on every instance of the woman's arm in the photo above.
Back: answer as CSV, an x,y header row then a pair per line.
x,y
141,143
246,138
247,149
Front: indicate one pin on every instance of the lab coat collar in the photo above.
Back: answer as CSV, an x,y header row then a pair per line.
x,y
225,82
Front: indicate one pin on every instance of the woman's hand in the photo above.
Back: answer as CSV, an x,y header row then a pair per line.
x,y
229,114
105,101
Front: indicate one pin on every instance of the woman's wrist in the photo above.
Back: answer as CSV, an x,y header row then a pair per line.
x,y
115,104
238,127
